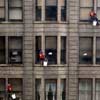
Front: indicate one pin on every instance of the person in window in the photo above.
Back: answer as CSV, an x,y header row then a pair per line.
x,y
93,17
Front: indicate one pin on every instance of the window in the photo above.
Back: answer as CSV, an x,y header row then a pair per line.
x,y
50,90
38,48
15,49
63,10
38,9
85,89
17,87
37,89
97,89
86,6
2,50
51,49
2,9
63,89
63,49
2,89
86,50
15,9
47,10
51,10
98,50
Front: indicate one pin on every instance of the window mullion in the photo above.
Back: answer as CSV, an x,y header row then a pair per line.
x,y
94,50
43,10
6,47
6,10
95,6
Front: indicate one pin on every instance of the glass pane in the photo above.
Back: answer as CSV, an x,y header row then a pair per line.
x,y
15,43
38,2
38,48
38,13
2,50
98,3
15,14
86,3
86,50
84,13
98,50
2,13
97,85
37,89
1,3
51,90
63,50
98,13
85,89
51,50
97,95
2,85
16,84
63,89
15,3
51,2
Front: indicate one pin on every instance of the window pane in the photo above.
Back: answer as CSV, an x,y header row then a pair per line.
x,y
39,2
51,90
51,50
63,10
51,2
63,89
86,50
17,87
1,3
98,50
86,3
98,13
85,89
98,3
63,50
2,89
15,52
2,50
37,89
51,10
37,48
15,14
15,3
84,13
97,89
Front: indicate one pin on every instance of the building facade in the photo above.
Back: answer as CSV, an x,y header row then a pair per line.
x,y
62,30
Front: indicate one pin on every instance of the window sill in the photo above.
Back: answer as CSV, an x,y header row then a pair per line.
x,y
51,65
11,65
89,65
50,22
9,22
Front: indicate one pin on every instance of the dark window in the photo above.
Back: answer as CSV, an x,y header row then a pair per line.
x,y
63,10
51,10
63,89
38,10
2,89
97,89
38,48
15,49
51,49
98,51
63,49
37,89
85,89
2,50
2,10
86,50
17,88
15,10
51,90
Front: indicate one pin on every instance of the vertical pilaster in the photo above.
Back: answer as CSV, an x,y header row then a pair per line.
x,y
28,50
